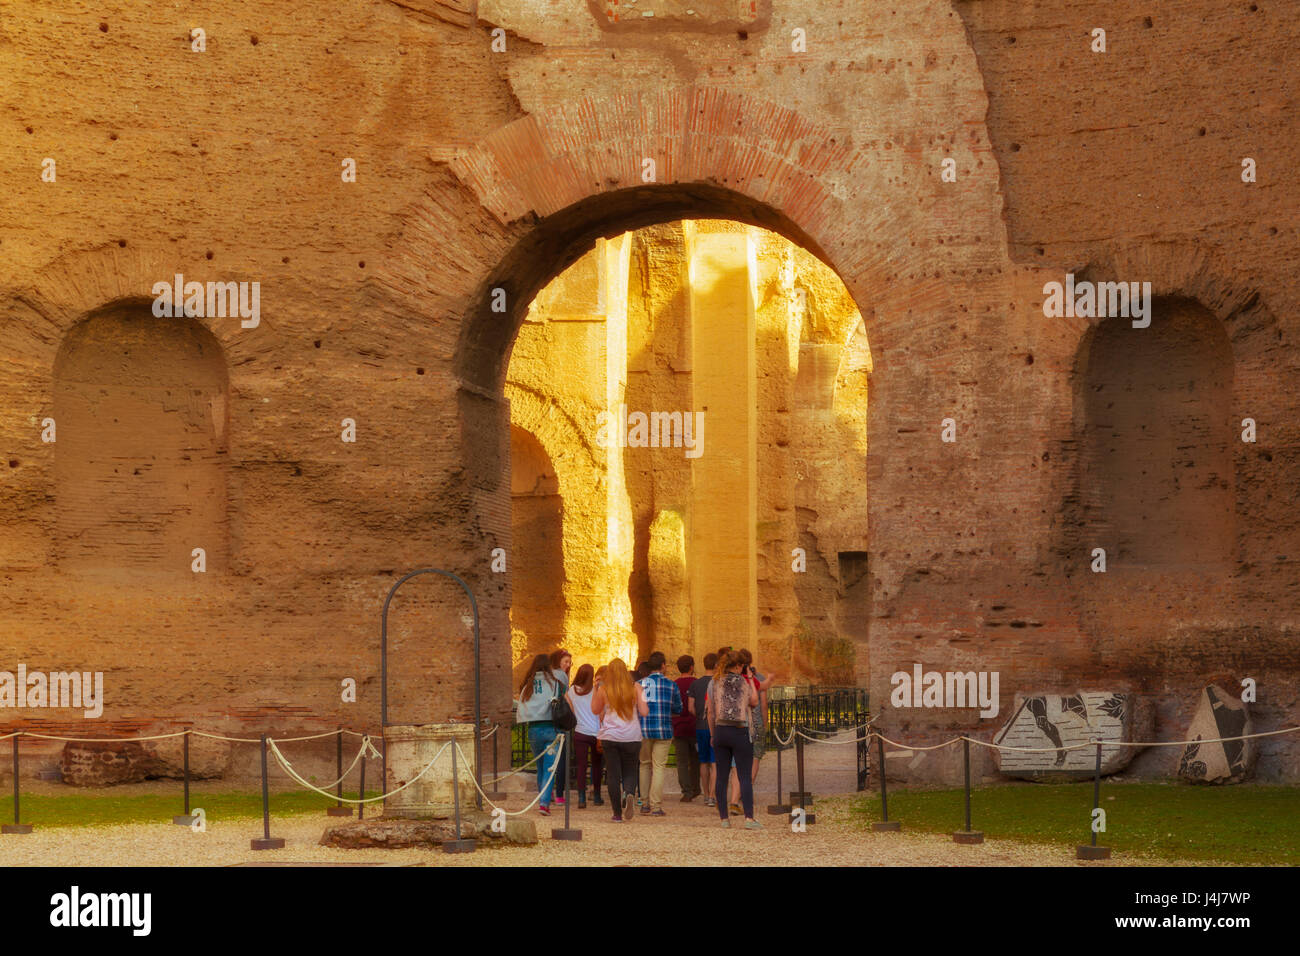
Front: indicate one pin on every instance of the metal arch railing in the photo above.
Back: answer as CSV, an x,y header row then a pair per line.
x,y
478,688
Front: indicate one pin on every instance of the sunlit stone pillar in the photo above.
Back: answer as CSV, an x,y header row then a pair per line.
x,y
619,538
724,594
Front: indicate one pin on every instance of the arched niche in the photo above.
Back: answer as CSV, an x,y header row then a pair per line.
x,y
141,405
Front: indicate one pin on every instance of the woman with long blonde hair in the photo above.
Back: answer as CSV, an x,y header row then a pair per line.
x,y
620,703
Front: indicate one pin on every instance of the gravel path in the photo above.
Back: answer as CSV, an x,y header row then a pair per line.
x,y
689,835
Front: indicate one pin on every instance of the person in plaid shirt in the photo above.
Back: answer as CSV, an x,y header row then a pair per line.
x,y
657,734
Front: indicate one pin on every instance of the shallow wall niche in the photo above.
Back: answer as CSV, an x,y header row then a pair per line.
x,y
141,405
537,564
1156,468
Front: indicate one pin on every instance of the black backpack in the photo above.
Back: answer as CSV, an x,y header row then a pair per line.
x,y
562,714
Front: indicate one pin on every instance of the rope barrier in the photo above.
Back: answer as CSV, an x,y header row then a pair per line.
x,y
283,761
784,741
361,751
520,769
823,740
1088,745
96,740
540,790
238,740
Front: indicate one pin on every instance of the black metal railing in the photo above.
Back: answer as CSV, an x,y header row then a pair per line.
x,y
816,708
820,710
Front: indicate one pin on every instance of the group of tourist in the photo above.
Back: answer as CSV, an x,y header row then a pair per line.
x,y
625,724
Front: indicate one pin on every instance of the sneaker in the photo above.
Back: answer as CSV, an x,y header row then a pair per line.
x,y
627,806
582,804
657,813
645,809
615,819
687,798
560,801
735,808
726,824
710,802
598,801
753,825
544,810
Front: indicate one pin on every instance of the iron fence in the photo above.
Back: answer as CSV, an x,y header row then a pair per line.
x,y
820,709
815,708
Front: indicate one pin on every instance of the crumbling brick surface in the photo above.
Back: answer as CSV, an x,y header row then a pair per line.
x,y
480,170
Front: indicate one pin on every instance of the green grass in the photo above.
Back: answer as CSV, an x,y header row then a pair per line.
x,y
88,809
1246,824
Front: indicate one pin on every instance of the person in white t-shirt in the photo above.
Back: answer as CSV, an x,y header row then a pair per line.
x,y
620,703
585,743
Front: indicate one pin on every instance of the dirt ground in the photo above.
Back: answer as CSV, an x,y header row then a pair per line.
x,y
689,835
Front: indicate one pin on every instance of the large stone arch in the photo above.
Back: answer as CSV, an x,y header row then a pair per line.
x,y
925,261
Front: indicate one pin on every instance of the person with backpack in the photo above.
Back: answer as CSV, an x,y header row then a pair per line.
x,y
731,698
617,701
534,708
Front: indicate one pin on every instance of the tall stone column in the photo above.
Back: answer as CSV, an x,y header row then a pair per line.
x,y
724,594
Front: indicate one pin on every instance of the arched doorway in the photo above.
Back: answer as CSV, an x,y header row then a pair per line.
x,y
712,377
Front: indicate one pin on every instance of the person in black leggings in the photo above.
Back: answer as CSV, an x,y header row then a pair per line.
x,y
730,699
622,767
620,705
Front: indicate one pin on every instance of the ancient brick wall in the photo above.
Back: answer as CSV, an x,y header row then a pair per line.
x,y
480,170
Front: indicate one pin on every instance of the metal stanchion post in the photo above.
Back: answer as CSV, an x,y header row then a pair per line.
x,y
801,799
567,833
967,836
779,807
338,810
361,791
266,841
496,794
457,845
884,824
185,819
1092,851
16,827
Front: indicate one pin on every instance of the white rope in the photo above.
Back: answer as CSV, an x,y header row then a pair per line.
x,y
520,769
361,751
823,740
238,740
311,786
97,740
555,765
1088,745
842,730
892,743
1215,740
328,733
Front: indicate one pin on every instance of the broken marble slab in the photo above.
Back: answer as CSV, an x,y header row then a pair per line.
x,y
1218,715
1053,723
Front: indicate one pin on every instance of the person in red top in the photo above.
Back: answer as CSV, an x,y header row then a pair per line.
x,y
684,740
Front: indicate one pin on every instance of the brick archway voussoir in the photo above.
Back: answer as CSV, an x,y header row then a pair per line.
x,y
543,163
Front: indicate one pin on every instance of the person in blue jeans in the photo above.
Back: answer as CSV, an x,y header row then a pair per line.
x,y
533,709
697,701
